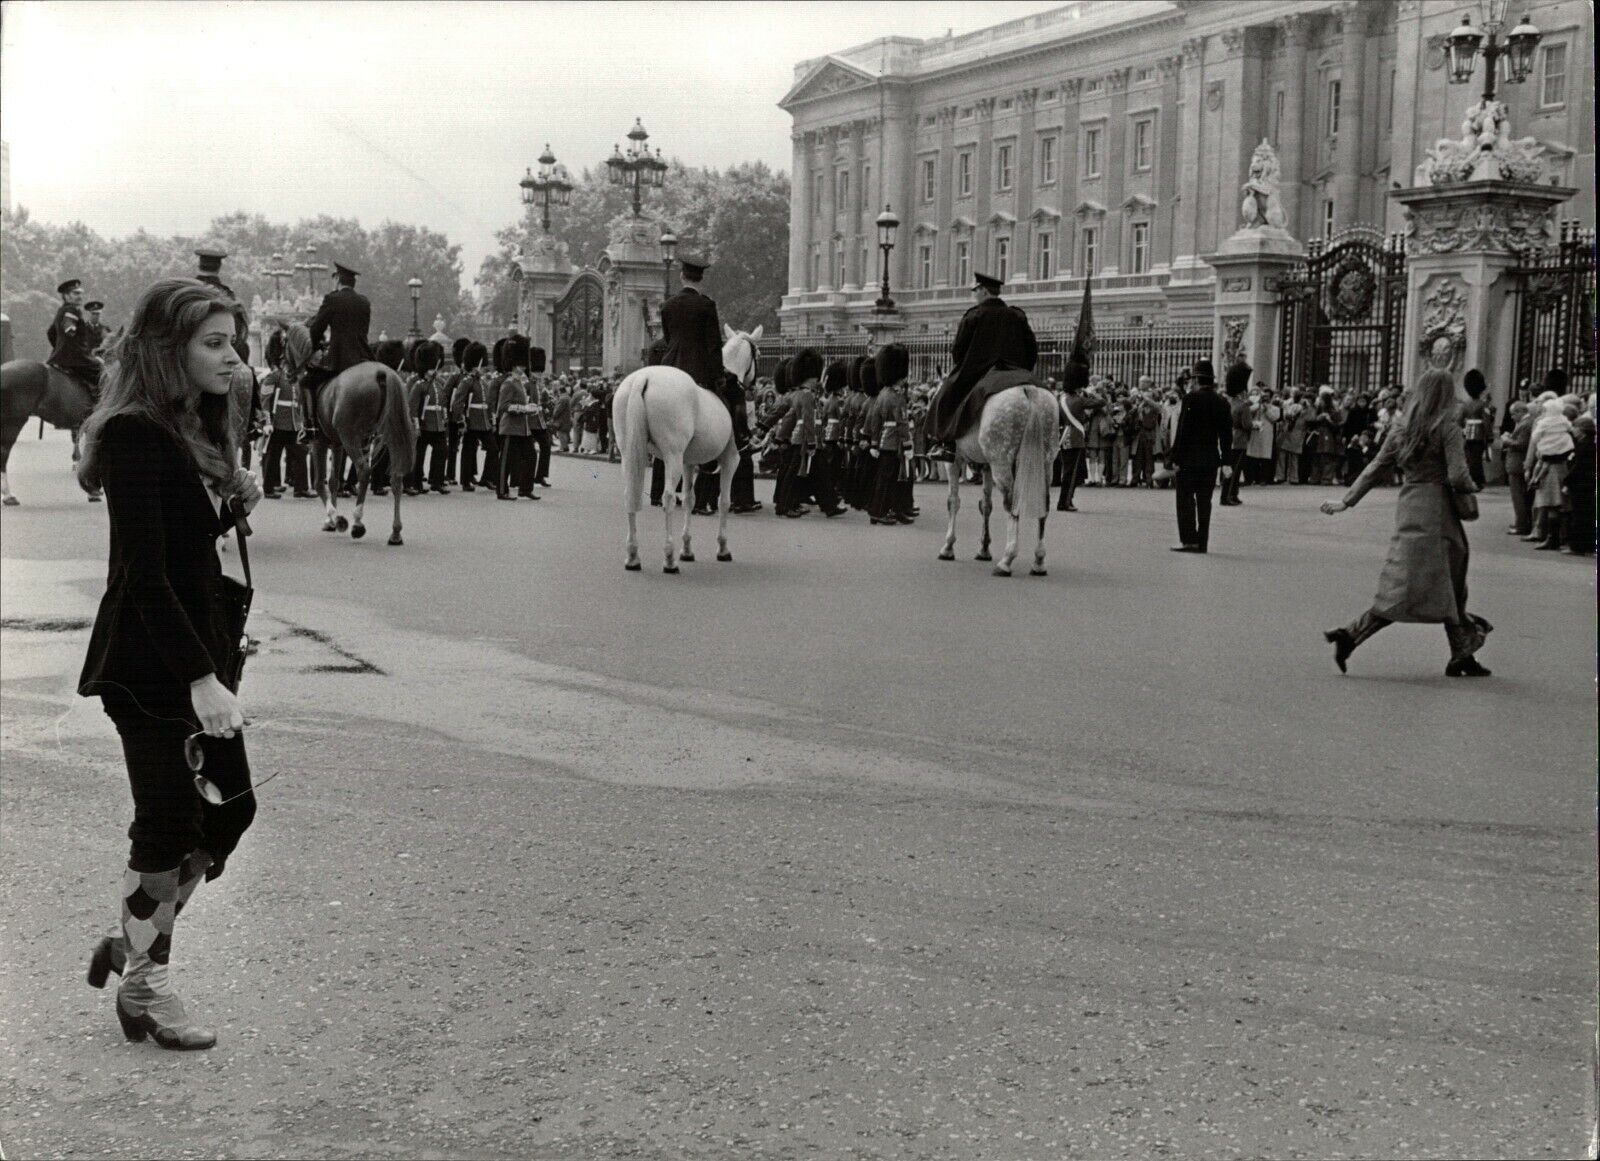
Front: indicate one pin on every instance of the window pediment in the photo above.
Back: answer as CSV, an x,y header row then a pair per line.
x,y
926,230
1139,203
1000,220
1044,215
1089,209
962,225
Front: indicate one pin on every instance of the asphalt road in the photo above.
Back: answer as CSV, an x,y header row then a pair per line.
x,y
832,851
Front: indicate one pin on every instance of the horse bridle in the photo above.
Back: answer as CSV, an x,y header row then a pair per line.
x,y
751,374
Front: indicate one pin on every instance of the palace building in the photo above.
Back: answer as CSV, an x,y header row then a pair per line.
x,y
1109,139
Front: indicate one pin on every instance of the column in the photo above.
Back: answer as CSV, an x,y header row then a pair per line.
x,y
1403,154
946,194
983,108
799,212
1352,87
1292,34
1185,227
858,196
830,203
896,141
1240,126
1116,168
1167,163
1067,170
1022,236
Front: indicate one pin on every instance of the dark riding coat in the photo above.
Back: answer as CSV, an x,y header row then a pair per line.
x,y
694,337
72,342
347,315
992,334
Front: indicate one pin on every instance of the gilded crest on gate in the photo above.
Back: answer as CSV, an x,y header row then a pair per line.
x,y
1351,291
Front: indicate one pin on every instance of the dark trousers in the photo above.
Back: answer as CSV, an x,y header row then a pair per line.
x,y
170,819
452,452
541,450
744,482
1071,460
707,490
787,489
433,444
471,441
890,494
1230,487
1475,448
1194,487
493,448
516,464
283,450
1144,462
658,481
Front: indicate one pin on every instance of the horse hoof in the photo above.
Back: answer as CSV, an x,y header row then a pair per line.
x,y
342,524
1038,572
947,555
633,566
670,569
12,501
357,531
328,527
1000,570
983,556
686,557
724,556
396,539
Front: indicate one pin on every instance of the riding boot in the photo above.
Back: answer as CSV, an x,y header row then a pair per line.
x,y
146,1003
1465,641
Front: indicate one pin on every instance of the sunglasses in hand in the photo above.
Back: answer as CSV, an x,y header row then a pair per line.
x,y
194,755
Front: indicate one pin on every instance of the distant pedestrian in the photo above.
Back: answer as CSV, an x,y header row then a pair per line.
x,y
1425,577
1201,446
161,445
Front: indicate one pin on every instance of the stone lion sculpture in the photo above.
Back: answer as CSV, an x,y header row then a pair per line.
x,y
1262,206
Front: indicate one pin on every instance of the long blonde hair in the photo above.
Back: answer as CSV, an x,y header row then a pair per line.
x,y
1428,407
144,376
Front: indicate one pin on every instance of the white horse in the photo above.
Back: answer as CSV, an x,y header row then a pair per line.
x,y
1015,442
662,412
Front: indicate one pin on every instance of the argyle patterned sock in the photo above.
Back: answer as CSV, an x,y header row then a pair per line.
x,y
149,907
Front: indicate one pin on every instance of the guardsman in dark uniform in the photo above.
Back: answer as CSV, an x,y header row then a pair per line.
x,y
516,446
992,335
743,496
72,341
430,407
347,315
1201,445
796,433
692,331
472,401
283,408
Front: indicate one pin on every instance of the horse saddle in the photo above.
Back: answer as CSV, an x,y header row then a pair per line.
x,y
994,381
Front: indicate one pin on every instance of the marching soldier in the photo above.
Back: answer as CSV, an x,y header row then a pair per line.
x,y
472,401
430,408
797,433
511,423
283,442
347,315
992,335
890,438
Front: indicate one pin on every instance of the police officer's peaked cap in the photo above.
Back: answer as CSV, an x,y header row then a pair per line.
x,y
891,364
1237,380
69,286
988,281
807,365
1204,372
694,263
210,259
345,273
97,305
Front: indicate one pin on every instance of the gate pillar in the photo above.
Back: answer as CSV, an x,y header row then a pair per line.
x,y
635,279
546,272
1248,267
1463,241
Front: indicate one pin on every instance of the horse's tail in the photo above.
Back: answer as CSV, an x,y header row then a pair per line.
x,y
1034,457
395,421
637,422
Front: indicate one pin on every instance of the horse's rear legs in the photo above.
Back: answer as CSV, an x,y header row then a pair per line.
x,y
952,505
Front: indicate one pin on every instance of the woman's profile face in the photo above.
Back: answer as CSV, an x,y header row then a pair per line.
x,y
209,359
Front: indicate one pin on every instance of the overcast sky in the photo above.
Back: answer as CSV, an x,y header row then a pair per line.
x,y
165,115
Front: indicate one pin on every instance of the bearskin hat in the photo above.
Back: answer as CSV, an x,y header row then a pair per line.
x,y
855,372
427,355
807,364
1076,375
891,364
474,355
835,377
780,377
459,348
390,352
1555,379
1237,380
869,378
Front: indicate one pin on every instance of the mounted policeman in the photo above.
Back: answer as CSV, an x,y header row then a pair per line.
x,y
691,329
994,337
339,332
73,339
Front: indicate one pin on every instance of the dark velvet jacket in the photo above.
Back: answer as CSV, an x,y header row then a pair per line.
x,y
161,623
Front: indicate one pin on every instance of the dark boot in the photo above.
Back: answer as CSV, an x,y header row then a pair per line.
x,y
1465,641
146,1003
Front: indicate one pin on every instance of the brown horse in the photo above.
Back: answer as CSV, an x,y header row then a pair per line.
x,y
28,388
355,408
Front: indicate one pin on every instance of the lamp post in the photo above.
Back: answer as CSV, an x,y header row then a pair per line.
x,y
887,225
636,168
415,284
669,245
311,266
551,187
1465,41
276,274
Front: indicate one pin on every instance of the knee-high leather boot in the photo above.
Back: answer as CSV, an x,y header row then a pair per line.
x,y
146,1003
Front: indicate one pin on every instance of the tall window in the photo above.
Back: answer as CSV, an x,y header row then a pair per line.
x,y
816,266
1091,251
1091,153
1047,160
964,174
1044,265
924,266
1139,256
844,191
1327,218
1002,258
816,195
963,262
1277,116
867,273
930,178
1002,167
866,182
1333,108
1143,131
838,264
1553,81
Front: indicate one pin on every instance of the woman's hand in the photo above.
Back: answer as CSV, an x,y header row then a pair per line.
x,y
248,490
1334,507
219,712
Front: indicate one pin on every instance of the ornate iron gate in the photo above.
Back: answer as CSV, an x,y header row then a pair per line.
x,y
1343,313
1555,310
578,326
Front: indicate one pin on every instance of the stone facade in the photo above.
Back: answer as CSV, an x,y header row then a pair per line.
x,y
1112,138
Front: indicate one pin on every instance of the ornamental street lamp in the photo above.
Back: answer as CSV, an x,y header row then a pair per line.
x,y
276,274
415,284
551,187
636,168
669,245
1517,50
887,225
311,267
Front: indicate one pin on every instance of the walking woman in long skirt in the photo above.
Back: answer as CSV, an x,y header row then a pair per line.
x,y
1424,579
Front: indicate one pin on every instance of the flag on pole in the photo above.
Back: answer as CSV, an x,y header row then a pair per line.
x,y
1083,337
